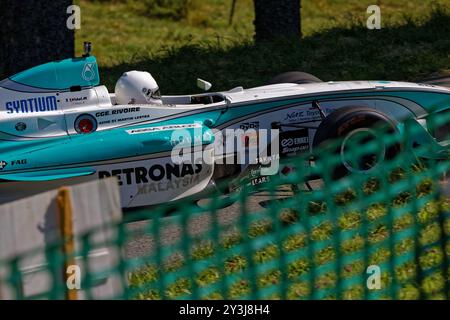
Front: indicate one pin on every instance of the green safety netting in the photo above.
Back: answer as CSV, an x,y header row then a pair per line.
x,y
315,236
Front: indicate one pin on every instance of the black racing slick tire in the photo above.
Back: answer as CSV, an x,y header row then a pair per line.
x,y
347,122
294,77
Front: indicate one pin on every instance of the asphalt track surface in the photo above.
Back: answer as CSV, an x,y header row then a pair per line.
x,y
142,243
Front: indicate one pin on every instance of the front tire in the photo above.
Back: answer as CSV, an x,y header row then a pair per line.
x,y
363,125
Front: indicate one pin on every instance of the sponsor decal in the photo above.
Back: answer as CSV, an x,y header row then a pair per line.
x,y
164,128
117,111
188,140
77,100
88,73
156,173
19,162
125,111
305,114
426,85
302,115
294,141
144,116
252,177
39,104
268,159
3,164
168,185
249,125
260,180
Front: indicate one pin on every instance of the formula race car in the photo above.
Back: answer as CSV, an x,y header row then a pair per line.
x,y
59,126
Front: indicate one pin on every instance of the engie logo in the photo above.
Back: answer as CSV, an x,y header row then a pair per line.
x,y
294,141
40,104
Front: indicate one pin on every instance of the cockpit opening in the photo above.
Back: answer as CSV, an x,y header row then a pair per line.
x,y
207,99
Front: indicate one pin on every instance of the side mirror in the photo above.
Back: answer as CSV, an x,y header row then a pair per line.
x,y
204,85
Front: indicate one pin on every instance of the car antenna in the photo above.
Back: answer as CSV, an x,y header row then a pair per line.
x,y
87,49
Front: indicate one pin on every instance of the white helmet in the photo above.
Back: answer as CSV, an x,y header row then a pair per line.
x,y
137,87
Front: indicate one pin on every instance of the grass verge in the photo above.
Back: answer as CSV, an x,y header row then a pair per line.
x,y
420,276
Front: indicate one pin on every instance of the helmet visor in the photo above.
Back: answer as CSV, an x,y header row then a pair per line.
x,y
156,94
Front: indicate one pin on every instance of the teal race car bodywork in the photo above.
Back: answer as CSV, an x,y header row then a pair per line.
x,y
46,110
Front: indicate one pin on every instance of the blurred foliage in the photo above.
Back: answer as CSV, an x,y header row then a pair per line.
x,y
414,41
173,9
124,28
408,51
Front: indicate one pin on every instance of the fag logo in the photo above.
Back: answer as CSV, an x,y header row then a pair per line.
x,y
88,73
3,164
18,162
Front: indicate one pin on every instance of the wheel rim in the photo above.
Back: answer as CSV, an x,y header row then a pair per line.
x,y
365,163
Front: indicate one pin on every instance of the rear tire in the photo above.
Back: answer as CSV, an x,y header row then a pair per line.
x,y
294,77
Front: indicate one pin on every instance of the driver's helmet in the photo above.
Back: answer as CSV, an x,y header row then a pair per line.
x,y
137,87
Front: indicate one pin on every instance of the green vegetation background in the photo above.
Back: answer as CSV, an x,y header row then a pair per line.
x,y
180,40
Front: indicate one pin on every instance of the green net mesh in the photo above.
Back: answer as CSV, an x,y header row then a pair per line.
x,y
314,236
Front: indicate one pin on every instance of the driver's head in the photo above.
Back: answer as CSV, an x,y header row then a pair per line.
x,y
137,87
